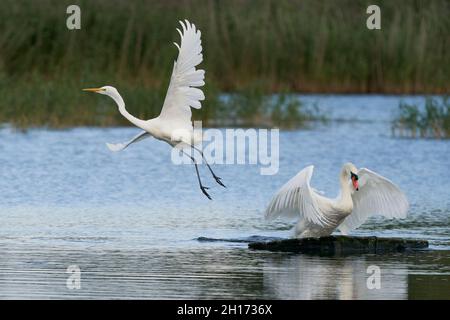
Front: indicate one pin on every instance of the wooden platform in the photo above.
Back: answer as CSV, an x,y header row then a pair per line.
x,y
335,245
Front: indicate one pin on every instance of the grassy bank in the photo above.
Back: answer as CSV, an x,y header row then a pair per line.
x,y
251,48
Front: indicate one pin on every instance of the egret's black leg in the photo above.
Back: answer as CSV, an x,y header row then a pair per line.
x,y
218,179
198,177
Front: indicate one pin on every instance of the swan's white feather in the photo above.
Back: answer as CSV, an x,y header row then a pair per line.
x,y
297,199
377,195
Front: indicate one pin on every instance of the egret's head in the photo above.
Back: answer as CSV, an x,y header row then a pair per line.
x,y
107,90
349,171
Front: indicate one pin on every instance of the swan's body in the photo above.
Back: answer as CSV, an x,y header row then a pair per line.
x,y
174,124
363,193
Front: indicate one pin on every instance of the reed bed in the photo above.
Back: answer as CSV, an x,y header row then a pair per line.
x,y
429,121
272,45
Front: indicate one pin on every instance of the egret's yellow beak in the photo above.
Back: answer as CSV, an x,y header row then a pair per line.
x,y
94,89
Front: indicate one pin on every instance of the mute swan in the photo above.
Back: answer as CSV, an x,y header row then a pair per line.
x,y
174,124
364,193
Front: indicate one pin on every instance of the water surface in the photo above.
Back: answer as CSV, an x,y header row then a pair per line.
x,y
129,220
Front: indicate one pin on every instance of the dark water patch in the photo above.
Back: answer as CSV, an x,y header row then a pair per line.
x,y
249,239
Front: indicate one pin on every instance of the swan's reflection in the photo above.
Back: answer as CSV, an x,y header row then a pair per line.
x,y
308,277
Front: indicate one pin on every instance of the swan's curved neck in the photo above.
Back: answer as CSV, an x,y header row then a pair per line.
x,y
346,192
121,104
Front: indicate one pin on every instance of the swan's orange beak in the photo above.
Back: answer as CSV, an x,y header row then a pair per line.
x,y
355,182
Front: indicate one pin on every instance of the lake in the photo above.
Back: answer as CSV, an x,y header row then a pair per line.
x,y
130,220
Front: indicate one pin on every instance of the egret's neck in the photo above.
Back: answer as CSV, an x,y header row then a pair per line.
x,y
121,104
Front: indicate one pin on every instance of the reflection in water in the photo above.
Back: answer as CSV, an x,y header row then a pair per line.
x,y
217,272
306,277
149,274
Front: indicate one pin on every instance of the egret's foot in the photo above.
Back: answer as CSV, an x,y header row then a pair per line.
x,y
218,180
205,193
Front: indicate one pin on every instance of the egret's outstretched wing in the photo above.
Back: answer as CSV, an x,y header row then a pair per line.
x,y
120,146
182,93
376,196
297,199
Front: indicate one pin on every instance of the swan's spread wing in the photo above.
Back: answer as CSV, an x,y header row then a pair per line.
x,y
376,196
120,146
297,199
182,93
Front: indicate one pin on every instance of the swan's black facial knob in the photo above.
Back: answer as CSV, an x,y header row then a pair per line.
x,y
354,178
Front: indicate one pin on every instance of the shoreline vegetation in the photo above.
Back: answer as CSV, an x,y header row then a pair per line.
x,y
253,49
430,121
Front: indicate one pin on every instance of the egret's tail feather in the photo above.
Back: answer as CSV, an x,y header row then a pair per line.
x,y
114,147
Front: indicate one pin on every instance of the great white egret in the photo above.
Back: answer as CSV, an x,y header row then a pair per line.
x,y
174,124
363,193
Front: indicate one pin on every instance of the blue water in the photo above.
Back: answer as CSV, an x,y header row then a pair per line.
x,y
129,220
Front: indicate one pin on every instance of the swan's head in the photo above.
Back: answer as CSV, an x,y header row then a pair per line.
x,y
106,90
349,171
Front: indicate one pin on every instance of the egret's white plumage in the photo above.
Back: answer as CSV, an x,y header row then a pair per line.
x,y
363,194
174,124
120,146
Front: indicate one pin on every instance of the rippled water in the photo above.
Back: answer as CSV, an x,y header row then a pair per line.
x,y
129,220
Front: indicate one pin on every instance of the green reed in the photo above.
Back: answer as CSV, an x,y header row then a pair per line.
x,y
251,47
431,121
